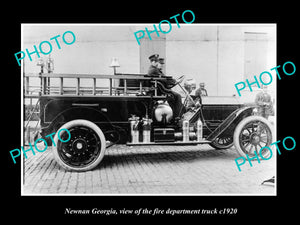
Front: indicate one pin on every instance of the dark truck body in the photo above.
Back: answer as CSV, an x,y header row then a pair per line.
x,y
111,113
100,116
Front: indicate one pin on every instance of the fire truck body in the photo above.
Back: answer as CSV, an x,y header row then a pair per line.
x,y
138,115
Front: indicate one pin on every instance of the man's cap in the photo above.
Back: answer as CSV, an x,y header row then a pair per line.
x,y
154,57
161,60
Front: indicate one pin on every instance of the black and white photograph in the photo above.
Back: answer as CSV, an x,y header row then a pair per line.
x,y
171,108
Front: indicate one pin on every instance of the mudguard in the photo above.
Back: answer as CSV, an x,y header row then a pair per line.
x,y
228,125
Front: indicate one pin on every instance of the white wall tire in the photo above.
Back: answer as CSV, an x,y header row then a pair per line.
x,y
85,149
252,134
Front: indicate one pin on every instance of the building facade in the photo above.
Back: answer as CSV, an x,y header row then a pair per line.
x,y
219,55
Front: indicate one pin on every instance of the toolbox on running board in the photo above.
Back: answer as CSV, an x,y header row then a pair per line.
x,y
164,135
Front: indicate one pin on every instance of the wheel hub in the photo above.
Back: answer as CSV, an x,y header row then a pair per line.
x,y
79,145
255,139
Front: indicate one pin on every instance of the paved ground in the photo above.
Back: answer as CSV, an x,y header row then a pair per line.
x,y
152,170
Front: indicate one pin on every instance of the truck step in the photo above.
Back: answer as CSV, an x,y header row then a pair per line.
x,y
170,143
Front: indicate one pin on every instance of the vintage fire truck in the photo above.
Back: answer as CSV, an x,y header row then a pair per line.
x,y
133,109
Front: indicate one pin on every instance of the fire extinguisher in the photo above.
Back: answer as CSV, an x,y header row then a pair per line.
x,y
185,130
199,129
134,128
146,129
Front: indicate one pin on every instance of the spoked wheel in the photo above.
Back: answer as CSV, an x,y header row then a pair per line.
x,y
252,134
222,142
84,150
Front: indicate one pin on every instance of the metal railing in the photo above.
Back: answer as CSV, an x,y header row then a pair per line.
x,y
132,84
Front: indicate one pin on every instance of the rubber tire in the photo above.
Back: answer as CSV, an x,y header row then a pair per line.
x,y
239,128
92,126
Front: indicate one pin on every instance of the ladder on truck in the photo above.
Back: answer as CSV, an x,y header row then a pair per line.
x,y
30,128
58,84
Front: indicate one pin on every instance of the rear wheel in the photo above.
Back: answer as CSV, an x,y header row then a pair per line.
x,y
84,150
252,134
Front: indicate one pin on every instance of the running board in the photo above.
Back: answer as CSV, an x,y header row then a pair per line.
x,y
170,143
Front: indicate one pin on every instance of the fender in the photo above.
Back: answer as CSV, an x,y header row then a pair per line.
x,y
229,124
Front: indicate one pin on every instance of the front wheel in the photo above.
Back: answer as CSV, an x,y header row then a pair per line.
x,y
84,150
252,134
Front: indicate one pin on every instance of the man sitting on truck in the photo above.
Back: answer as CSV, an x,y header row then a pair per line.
x,y
155,70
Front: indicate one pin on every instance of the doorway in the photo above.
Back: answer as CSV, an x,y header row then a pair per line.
x,y
157,45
